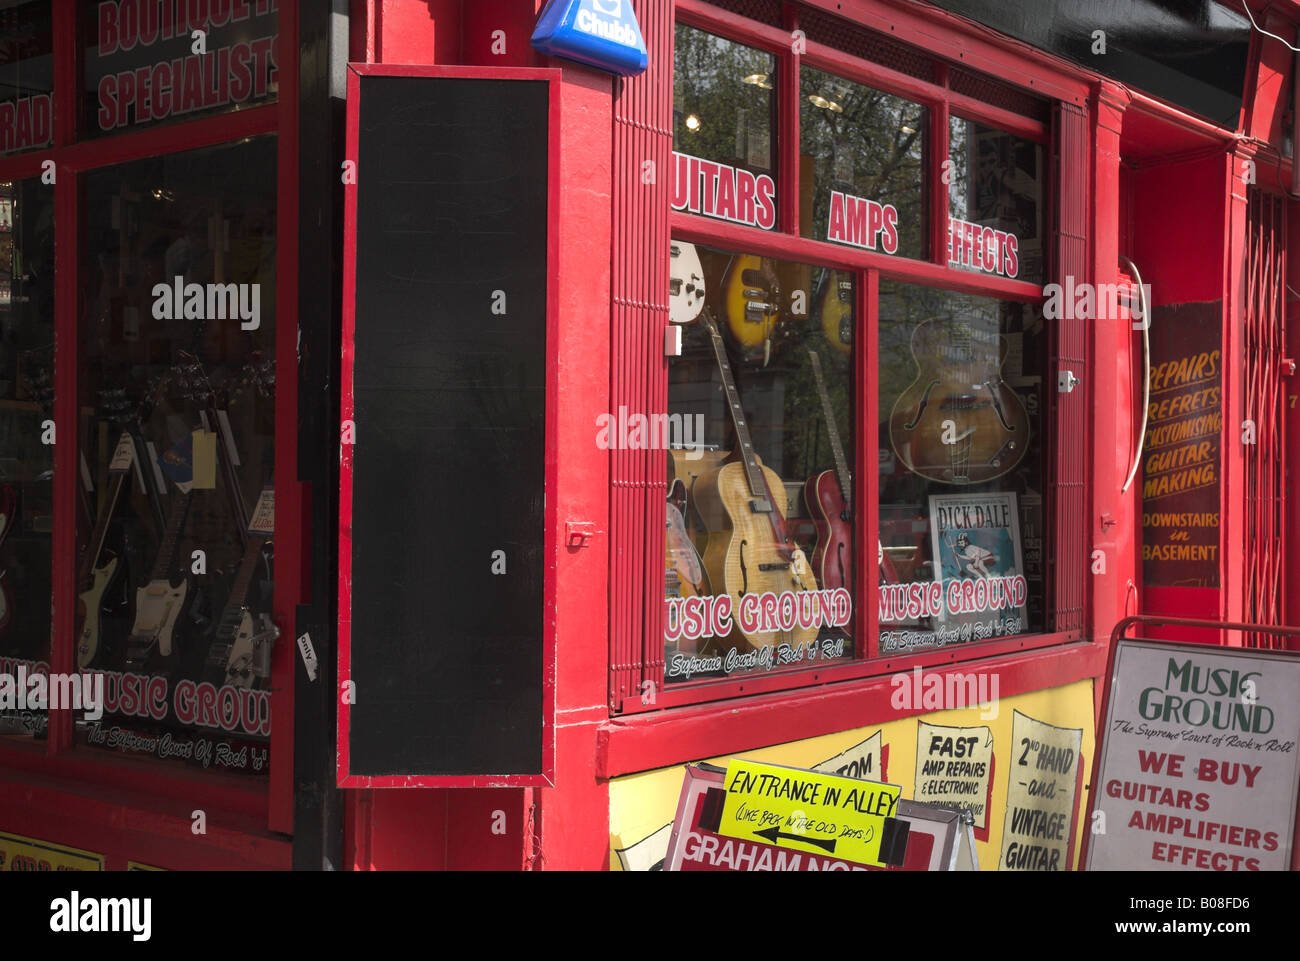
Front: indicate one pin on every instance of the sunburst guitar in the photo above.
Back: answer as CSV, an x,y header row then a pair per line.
x,y
958,423
837,313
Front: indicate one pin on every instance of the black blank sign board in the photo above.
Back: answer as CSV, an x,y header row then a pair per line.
x,y
450,401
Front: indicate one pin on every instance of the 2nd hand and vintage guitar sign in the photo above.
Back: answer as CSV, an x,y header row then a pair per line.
x,y
808,811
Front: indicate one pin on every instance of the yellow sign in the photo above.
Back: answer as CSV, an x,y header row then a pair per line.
x,y
807,811
137,866
18,853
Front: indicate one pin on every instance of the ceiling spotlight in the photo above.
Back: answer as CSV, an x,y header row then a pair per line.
x,y
906,129
692,122
819,101
758,80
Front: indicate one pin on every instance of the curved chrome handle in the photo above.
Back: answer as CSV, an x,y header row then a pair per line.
x,y
1146,370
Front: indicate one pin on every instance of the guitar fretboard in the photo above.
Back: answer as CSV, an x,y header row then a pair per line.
x,y
162,565
753,474
841,463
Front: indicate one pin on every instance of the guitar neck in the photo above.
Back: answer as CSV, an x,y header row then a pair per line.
x,y
96,543
841,463
162,565
753,473
244,577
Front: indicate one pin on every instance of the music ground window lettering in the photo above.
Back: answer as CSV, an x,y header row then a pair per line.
x,y
961,468
760,537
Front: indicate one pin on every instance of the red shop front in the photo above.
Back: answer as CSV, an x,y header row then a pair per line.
x,y
822,274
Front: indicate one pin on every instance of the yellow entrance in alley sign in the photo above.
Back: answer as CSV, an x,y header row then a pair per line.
x,y
840,817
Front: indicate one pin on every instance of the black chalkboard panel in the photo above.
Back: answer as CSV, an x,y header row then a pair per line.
x,y
449,399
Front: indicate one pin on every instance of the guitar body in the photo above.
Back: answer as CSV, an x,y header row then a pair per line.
x,y
837,314
158,607
751,294
832,559
682,556
959,381
740,545
89,603
230,659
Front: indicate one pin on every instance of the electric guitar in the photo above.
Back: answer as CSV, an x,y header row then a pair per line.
x,y
160,602
751,297
685,283
8,518
240,652
958,423
837,313
829,496
92,578
748,549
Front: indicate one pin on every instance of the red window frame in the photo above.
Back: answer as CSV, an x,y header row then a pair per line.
x,y
868,267
345,778
269,800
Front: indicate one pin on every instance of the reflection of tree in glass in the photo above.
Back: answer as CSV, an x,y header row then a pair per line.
x,y
872,147
732,118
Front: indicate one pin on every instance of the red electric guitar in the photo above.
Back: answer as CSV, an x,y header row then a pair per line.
x,y
828,496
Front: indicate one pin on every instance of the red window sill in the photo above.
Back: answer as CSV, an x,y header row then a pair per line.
x,y
630,744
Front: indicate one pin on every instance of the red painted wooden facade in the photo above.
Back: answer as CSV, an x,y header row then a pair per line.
x,y
1135,175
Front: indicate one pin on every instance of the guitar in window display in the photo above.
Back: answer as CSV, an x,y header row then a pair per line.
x,y
748,548
160,603
93,577
751,299
837,312
828,496
8,518
958,422
240,652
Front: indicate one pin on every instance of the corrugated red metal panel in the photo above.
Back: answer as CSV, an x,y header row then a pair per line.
x,y
866,44
1069,411
1265,409
639,375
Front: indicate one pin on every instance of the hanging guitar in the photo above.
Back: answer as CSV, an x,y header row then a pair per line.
x,y
93,578
829,496
240,653
748,548
837,312
682,559
958,423
160,602
751,298
8,518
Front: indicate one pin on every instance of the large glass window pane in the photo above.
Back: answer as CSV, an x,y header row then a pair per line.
x,y
147,62
995,195
760,535
26,75
26,445
176,449
862,166
961,468
724,129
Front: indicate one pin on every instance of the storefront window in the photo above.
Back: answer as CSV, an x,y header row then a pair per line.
x,y
760,533
995,197
862,155
26,75
723,129
961,468
176,445
147,62
26,443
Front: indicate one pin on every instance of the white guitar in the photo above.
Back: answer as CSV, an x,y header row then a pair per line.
x,y
685,283
240,654
93,577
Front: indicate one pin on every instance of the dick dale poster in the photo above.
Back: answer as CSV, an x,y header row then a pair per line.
x,y
975,539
